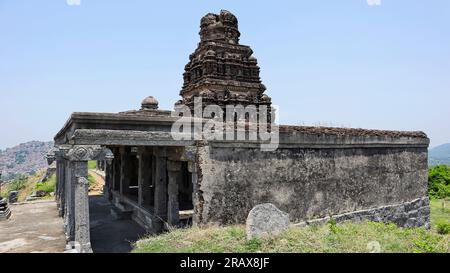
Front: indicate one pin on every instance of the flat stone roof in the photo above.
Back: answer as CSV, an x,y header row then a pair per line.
x,y
117,120
318,130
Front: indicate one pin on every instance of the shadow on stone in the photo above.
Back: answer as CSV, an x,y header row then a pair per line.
x,y
109,235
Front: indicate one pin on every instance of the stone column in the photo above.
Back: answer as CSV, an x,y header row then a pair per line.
x,y
82,233
124,171
69,214
108,181
78,207
160,208
55,154
145,176
173,206
57,186
192,168
61,185
117,170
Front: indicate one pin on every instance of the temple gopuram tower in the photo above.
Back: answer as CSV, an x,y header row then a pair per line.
x,y
221,71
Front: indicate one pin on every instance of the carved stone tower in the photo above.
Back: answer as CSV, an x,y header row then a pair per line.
x,y
221,71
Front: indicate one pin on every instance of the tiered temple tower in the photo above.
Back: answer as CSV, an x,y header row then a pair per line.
x,y
221,71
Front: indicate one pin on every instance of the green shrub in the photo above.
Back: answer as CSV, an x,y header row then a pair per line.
x,y
92,164
439,182
332,224
18,183
427,243
91,180
48,186
443,227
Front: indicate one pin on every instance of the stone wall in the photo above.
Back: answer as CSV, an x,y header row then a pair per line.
x,y
311,183
409,214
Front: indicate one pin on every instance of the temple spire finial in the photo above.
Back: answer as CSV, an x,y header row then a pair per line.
x,y
220,27
222,71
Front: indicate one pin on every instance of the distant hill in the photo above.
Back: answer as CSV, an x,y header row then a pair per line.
x,y
439,155
26,158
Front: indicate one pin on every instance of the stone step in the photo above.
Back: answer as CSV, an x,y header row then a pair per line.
x,y
123,207
120,214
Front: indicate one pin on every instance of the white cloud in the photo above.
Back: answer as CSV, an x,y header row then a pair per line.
x,y
373,2
73,2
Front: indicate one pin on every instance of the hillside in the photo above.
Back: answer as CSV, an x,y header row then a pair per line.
x,y
439,155
26,158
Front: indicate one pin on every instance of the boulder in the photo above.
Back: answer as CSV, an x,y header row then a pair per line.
x,y
40,193
13,196
266,220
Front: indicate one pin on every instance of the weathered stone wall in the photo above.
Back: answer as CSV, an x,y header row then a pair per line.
x,y
409,214
311,183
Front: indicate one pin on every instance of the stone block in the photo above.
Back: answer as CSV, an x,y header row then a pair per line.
x,y
413,214
120,214
411,222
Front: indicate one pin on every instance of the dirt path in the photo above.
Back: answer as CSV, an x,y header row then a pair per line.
x,y
33,227
97,187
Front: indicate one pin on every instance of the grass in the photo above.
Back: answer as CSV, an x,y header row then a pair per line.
x,y
440,211
440,216
18,184
331,238
92,164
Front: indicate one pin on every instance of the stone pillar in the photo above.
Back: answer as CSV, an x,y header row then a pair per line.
x,y
82,233
153,178
145,177
108,181
117,170
69,214
77,207
124,170
61,185
56,154
57,186
101,165
160,208
192,168
173,206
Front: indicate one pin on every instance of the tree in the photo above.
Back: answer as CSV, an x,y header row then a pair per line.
x,y
439,181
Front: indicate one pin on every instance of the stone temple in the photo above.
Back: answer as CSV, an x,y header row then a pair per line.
x,y
160,179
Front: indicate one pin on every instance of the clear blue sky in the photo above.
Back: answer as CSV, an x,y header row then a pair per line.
x,y
333,62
